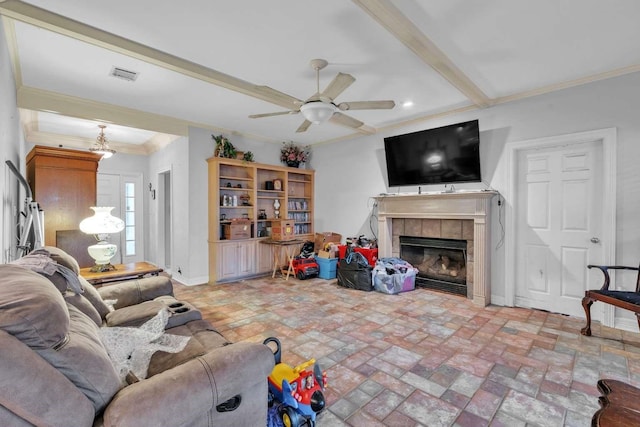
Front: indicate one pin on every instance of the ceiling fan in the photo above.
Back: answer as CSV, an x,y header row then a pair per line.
x,y
320,107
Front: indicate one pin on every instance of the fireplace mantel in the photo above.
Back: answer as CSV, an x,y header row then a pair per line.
x,y
464,205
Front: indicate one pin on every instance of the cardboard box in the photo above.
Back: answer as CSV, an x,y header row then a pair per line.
x,y
283,230
322,239
239,228
326,254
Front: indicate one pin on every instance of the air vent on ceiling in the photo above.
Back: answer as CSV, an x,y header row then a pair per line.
x,y
121,73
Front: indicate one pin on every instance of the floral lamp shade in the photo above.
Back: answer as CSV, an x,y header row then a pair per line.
x,y
101,224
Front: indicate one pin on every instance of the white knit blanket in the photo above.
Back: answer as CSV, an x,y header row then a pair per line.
x,y
130,349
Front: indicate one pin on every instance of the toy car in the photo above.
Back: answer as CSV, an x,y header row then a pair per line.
x,y
299,391
305,268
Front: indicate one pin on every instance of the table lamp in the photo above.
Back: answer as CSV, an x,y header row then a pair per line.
x,y
101,224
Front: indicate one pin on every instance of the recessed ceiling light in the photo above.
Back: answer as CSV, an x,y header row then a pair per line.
x,y
407,104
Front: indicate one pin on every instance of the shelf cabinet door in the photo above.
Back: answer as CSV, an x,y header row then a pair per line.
x,y
235,259
246,255
265,258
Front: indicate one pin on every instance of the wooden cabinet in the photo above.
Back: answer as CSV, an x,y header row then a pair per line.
x,y
63,183
236,259
262,194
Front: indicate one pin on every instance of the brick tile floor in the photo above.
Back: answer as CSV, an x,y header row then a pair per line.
x,y
426,358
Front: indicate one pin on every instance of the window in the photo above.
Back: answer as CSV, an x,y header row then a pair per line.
x,y
130,219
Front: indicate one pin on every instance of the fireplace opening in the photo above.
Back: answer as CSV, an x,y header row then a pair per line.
x,y
441,263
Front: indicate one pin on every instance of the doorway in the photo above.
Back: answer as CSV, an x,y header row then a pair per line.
x,y
124,193
165,215
562,218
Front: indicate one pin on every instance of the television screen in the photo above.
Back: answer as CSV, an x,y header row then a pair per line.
x,y
446,154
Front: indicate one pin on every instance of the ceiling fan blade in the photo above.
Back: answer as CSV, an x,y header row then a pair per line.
x,y
344,120
366,105
304,126
279,113
339,83
279,98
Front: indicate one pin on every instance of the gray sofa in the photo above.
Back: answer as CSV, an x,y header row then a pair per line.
x,y
56,371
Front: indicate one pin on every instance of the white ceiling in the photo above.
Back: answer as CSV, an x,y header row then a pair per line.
x,y
201,61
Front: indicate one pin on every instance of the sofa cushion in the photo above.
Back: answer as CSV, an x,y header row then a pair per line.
x,y
84,305
35,393
31,309
63,258
84,361
204,338
91,293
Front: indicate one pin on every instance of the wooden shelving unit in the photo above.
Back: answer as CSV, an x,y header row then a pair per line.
x,y
238,191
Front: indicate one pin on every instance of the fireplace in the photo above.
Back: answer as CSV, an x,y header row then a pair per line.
x,y
441,263
463,216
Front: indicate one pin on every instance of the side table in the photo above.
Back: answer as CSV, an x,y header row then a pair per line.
x,y
131,270
278,260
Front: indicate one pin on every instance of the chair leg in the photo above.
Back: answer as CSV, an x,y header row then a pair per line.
x,y
638,317
586,304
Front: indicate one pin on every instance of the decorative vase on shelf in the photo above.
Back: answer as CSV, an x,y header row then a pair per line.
x,y
293,163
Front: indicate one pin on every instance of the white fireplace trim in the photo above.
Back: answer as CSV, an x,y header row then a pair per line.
x,y
473,205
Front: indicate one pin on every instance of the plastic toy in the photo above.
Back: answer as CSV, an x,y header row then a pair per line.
x,y
305,268
298,390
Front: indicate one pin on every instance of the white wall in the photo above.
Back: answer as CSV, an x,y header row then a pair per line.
x,y
349,173
11,148
174,158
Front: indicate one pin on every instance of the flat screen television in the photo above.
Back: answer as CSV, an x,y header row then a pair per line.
x,y
447,154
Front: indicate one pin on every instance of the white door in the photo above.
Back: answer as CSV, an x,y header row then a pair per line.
x,y
558,226
124,193
108,194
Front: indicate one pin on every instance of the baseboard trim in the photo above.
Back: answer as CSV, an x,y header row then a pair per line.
x,y
188,281
498,300
630,325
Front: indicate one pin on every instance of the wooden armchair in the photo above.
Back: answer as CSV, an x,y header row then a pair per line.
x,y
629,300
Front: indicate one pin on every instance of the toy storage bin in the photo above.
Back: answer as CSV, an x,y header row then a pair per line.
x,y
328,267
370,254
393,275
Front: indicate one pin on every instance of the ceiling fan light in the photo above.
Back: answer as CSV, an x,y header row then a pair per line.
x,y
317,111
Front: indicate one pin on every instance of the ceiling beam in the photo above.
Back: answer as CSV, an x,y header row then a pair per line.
x,y
42,18
390,17
42,100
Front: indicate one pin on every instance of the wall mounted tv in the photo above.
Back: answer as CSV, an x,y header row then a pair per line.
x,y
447,154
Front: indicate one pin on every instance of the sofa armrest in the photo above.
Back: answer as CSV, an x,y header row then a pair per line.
x,y
191,390
135,291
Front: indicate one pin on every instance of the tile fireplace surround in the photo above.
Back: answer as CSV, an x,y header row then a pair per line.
x,y
462,215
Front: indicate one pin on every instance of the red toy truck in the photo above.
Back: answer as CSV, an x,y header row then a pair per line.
x,y
305,268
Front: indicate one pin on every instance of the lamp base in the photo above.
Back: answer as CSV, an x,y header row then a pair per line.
x,y
101,268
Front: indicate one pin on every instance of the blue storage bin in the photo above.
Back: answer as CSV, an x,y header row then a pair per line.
x,y
328,267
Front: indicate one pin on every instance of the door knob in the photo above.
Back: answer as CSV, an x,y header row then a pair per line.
x,y
595,240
